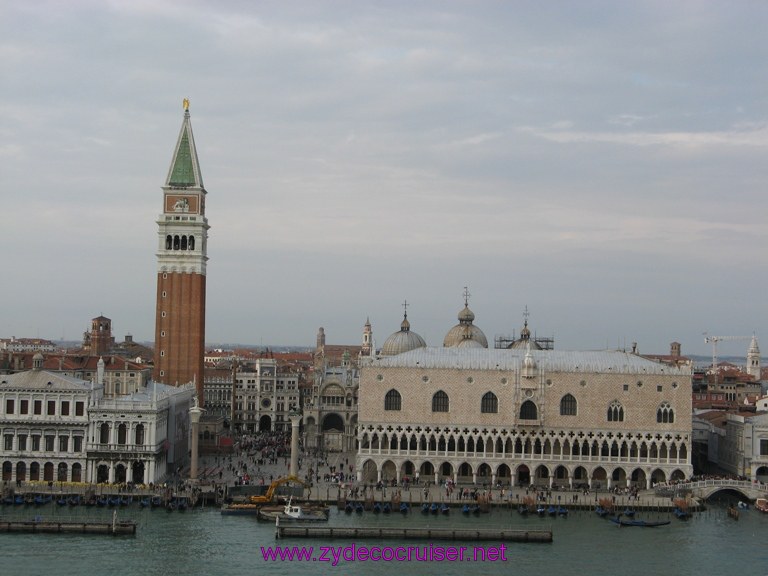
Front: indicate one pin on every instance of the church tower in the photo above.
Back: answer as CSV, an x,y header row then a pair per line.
x,y
753,359
181,268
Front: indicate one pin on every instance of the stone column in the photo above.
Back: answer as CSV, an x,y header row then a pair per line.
x,y
194,416
295,422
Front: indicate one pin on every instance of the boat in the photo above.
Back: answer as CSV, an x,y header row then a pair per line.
x,y
733,512
156,502
295,513
349,508
640,523
376,507
475,509
387,508
40,500
425,508
600,511
61,501
541,510
762,504
434,508
359,507
101,502
145,502
562,511
465,509
74,500
629,513
404,508
240,509
445,509
551,510
743,505
521,509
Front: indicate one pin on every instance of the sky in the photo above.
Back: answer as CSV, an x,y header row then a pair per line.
x,y
600,164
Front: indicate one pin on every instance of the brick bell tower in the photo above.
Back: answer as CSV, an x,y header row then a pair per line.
x,y
181,269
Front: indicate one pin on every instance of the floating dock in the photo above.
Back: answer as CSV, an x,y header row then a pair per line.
x,y
120,528
465,534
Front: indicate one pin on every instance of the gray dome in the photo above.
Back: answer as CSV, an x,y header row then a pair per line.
x,y
525,340
402,341
465,331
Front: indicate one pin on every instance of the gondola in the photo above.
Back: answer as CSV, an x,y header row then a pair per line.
x,y
445,509
640,523
434,508
376,507
387,508
425,508
404,508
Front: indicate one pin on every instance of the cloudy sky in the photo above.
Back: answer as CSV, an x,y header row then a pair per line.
x,y
602,163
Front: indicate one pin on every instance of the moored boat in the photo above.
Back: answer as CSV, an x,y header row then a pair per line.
x,y
640,523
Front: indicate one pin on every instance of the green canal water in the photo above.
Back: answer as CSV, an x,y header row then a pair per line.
x,y
203,542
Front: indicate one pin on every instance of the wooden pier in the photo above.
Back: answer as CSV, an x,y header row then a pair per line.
x,y
465,534
112,527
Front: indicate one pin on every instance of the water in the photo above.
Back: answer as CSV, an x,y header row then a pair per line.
x,y
203,542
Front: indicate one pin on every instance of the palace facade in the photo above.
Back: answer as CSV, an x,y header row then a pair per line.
x,y
523,416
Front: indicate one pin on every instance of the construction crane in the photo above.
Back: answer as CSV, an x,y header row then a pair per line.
x,y
714,340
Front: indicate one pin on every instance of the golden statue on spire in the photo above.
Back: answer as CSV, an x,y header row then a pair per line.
x,y
186,103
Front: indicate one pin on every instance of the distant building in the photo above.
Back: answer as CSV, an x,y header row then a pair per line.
x,y
330,405
14,344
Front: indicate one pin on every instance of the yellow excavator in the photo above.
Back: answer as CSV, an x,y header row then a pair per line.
x,y
267,498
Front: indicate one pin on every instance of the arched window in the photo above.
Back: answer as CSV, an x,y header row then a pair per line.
x,y
168,242
615,412
176,242
122,433
568,405
191,242
393,400
665,414
440,402
183,242
489,404
140,434
528,411
104,433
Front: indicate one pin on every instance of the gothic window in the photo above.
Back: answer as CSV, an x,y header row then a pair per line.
x,y
191,242
528,411
665,414
615,412
568,405
168,242
176,242
393,400
489,404
440,402
183,242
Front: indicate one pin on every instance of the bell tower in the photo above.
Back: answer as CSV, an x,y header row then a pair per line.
x,y
182,257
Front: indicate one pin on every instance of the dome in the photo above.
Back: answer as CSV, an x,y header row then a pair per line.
x,y
465,332
525,340
402,341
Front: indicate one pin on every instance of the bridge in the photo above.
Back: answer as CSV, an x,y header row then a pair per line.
x,y
704,489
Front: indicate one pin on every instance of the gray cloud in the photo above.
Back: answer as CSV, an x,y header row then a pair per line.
x,y
600,162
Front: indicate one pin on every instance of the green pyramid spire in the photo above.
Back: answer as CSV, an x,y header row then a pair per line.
x,y
185,169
